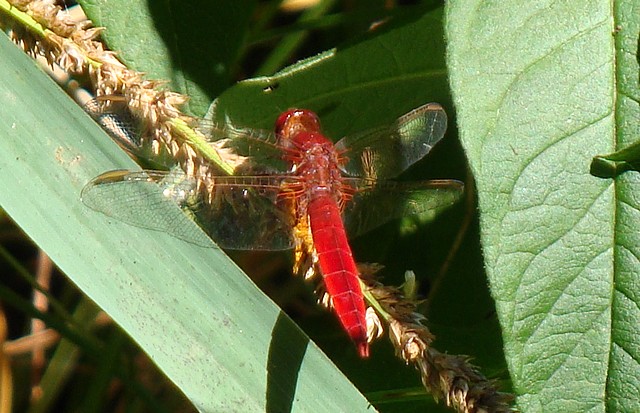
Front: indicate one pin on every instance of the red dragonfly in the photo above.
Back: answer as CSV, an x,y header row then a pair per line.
x,y
311,194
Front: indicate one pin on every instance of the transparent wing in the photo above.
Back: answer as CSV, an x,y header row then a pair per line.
x,y
259,146
247,212
112,114
388,151
376,203
239,212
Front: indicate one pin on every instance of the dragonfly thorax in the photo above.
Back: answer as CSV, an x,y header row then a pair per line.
x,y
317,163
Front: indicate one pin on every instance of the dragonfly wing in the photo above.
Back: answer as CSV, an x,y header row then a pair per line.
x,y
257,145
112,113
137,199
388,151
238,213
248,213
115,118
377,203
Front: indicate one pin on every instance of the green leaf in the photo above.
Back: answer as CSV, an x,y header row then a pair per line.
x,y
540,90
353,87
193,44
214,334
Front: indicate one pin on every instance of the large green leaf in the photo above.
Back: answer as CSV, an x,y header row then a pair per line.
x,y
355,86
540,89
225,344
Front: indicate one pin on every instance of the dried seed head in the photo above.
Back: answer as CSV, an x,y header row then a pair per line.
x,y
374,325
450,378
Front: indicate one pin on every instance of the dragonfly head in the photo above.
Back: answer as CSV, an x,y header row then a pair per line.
x,y
295,121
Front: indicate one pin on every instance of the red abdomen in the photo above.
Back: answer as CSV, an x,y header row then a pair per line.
x,y
338,268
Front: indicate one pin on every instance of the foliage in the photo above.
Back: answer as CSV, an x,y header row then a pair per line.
x,y
539,92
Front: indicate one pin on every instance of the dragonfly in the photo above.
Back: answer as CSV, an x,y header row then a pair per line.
x,y
311,194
